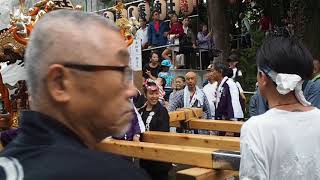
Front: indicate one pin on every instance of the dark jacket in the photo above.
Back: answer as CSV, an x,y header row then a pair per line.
x,y
46,149
157,38
159,122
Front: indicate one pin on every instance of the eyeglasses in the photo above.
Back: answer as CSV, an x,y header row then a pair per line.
x,y
126,70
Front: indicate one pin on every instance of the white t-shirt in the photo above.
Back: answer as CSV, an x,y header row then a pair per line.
x,y
210,92
281,145
142,34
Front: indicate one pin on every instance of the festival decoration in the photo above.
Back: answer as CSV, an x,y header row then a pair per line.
x,y
161,7
133,12
128,27
173,7
144,10
13,40
109,15
186,7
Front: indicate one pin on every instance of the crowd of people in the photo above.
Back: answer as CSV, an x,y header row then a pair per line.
x,y
79,98
182,41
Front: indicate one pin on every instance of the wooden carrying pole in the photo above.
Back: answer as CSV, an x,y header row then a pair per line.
x,y
190,119
196,156
196,173
195,140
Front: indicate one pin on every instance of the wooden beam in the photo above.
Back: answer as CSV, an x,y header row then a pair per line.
x,y
204,174
195,140
185,114
218,125
195,156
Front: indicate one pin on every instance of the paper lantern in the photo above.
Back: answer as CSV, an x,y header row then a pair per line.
x,y
161,7
173,6
133,12
109,15
186,7
144,10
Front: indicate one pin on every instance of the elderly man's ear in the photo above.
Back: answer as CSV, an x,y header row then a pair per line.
x,y
58,83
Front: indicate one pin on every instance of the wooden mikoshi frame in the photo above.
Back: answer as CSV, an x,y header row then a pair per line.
x,y
194,140
189,119
196,156
215,157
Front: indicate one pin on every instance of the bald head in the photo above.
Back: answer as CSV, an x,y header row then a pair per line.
x,y
191,79
62,36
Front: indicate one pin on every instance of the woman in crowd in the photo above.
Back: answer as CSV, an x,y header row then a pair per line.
x,y
205,44
175,33
152,69
282,143
155,118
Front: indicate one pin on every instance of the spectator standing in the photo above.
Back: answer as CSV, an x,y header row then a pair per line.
x,y
157,31
187,43
265,23
205,45
245,31
228,104
142,36
152,69
174,35
210,90
167,75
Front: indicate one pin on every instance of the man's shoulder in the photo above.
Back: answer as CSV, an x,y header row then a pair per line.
x,y
71,163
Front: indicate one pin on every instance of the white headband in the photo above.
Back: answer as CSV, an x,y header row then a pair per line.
x,y
287,83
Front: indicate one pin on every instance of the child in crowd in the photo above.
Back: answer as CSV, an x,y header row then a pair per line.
x,y
167,75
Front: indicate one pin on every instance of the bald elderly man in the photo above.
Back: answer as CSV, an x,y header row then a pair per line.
x,y
76,65
190,96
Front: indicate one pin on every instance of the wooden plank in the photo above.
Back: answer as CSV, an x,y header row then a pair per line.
x,y
185,114
195,156
196,140
200,157
204,174
218,125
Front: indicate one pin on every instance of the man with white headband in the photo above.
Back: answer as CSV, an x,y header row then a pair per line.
x,y
282,143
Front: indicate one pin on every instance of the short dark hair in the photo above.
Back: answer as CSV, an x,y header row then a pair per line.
x,y
153,52
222,68
154,11
286,55
181,77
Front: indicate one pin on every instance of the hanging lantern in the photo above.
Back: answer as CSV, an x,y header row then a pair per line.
x,y
173,7
186,7
133,12
161,7
109,15
144,10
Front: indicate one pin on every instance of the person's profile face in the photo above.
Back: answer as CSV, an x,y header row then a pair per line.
x,y
153,96
102,97
179,84
209,75
316,67
185,22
